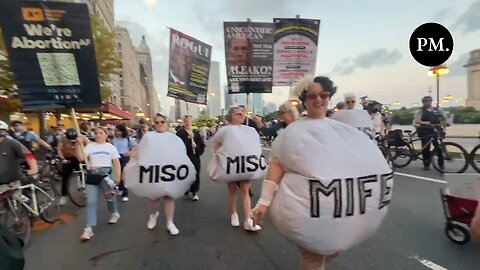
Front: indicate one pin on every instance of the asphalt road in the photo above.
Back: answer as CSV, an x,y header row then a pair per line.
x,y
411,237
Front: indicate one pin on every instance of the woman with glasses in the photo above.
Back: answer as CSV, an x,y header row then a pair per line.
x,y
287,114
104,158
160,126
235,118
312,162
350,101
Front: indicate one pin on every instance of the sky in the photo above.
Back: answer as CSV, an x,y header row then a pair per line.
x,y
362,47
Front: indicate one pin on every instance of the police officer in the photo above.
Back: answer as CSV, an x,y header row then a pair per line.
x,y
425,118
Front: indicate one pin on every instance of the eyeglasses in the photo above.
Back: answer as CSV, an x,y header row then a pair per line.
x,y
322,95
160,122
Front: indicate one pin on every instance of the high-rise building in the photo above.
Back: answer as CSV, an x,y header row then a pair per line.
x,y
271,107
132,92
257,103
145,60
473,79
214,97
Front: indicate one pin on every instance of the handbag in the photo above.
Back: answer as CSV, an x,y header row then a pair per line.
x,y
94,177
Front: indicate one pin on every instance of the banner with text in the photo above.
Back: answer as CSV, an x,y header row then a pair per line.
x,y
51,52
189,67
249,56
295,49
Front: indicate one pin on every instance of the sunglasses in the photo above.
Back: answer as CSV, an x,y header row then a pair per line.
x,y
322,95
350,102
159,122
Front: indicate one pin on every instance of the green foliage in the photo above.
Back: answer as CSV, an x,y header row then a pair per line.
x,y
8,88
106,54
205,120
402,117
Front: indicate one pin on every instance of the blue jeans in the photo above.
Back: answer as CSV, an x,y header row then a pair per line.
x,y
92,201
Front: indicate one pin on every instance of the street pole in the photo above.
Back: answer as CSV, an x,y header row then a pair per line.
x,y
438,91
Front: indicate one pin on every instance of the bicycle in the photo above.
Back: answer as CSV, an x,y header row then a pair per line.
x,y
382,143
77,186
403,151
474,157
19,205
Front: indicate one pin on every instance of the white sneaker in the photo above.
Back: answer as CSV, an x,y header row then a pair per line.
x,y
248,226
87,234
63,201
152,221
124,199
195,198
234,220
172,229
114,218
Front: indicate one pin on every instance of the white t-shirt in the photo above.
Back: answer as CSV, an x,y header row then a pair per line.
x,y
101,155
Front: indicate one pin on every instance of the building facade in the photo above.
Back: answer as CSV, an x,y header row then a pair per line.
x,y
214,97
133,96
473,79
144,58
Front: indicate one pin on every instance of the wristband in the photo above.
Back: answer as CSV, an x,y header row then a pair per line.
x,y
269,189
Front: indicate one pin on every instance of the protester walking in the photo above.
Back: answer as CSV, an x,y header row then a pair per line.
x,y
66,152
124,145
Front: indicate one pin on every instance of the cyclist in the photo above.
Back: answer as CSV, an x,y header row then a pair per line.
x,y
12,153
374,110
26,137
67,154
425,118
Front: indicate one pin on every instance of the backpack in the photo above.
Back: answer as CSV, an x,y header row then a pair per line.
x,y
22,138
395,138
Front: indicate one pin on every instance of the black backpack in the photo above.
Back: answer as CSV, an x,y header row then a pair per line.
x,y
11,250
22,138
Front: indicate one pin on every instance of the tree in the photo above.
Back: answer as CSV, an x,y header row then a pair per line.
x,y
8,88
204,120
105,53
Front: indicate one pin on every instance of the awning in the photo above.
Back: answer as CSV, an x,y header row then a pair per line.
x,y
110,108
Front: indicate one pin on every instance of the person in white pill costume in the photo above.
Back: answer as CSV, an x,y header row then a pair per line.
x,y
327,186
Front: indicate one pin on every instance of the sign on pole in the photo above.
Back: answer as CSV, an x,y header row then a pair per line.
x,y
295,49
249,56
189,68
50,48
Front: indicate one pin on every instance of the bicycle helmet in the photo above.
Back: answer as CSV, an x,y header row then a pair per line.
x,y
71,134
3,125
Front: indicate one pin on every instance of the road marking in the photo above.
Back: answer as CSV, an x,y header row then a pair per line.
x,y
421,178
428,263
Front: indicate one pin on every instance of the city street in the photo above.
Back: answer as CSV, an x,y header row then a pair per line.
x,y
412,236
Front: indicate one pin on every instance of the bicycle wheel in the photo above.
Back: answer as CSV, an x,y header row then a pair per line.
x,y
401,155
17,220
455,158
48,202
76,191
475,158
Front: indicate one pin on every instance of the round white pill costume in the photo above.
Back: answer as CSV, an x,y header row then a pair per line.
x,y
359,119
239,157
336,188
162,169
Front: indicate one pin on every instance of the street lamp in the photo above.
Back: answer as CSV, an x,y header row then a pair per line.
x,y
294,102
396,103
437,72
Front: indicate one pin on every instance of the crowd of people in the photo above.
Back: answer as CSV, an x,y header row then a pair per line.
x,y
108,150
